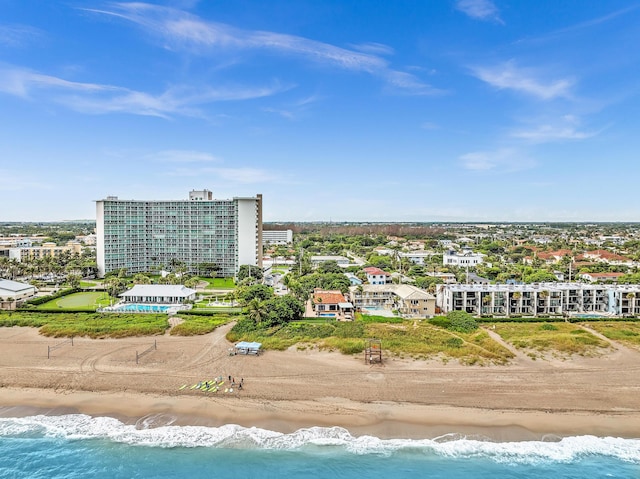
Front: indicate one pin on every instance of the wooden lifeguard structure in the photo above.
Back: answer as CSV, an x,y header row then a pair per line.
x,y
373,351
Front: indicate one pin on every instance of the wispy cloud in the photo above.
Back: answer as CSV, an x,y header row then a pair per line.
x,y
181,30
18,35
579,27
564,128
183,156
479,10
504,160
373,48
509,76
99,99
11,181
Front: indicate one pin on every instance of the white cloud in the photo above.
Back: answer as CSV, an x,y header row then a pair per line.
x,y
182,30
479,9
504,160
510,77
99,99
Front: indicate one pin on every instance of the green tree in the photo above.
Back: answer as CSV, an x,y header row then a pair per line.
x,y
246,294
247,271
283,309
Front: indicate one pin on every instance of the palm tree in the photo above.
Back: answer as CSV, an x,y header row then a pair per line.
x,y
256,311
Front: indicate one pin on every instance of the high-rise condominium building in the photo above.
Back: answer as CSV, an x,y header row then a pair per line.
x,y
148,236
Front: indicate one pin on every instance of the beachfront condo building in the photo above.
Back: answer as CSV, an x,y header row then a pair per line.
x,y
541,299
149,236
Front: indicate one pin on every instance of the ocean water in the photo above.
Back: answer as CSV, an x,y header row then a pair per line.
x,y
79,446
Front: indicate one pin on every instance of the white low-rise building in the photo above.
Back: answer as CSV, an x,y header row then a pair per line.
x,y
340,260
464,258
14,292
418,257
540,299
159,294
283,237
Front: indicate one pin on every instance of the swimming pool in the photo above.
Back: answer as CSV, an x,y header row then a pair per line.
x,y
327,315
140,308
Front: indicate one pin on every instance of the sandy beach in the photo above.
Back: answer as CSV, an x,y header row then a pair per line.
x,y
284,391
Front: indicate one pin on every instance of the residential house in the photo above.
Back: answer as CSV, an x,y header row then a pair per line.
x,y
408,300
377,276
331,304
601,277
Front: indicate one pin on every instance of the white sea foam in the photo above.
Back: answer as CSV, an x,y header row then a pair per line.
x,y
143,433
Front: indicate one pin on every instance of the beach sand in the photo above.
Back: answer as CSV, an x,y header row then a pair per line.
x,y
288,390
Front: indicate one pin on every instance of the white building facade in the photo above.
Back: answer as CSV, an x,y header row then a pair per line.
x,y
145,236
463,259
277,237
540,299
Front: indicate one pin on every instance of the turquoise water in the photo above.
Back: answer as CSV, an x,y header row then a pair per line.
x,y
78,446
142,308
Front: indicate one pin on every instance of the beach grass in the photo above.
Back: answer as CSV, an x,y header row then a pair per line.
x,y
92,325
627,332
541,339
93,299
195,325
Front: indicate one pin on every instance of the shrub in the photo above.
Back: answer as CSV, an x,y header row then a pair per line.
x,y
454,343
462,322
548,327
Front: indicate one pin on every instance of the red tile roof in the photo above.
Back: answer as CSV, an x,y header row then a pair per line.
x,y
328,297
605,255
373,270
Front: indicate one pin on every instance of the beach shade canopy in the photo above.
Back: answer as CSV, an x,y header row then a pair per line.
x,y
245,347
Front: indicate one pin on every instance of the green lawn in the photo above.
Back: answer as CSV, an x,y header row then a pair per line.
x,y
78,300
219,283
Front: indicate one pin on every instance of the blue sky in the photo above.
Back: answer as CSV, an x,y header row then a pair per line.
x,y
447,110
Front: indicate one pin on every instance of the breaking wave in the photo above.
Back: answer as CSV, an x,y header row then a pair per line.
x,y
158,431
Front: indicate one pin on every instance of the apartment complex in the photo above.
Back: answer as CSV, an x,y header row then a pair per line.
x,y
540,299
145,236
282,237
408,300
48,249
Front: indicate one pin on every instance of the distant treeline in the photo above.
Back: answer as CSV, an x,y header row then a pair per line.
x,y
388,229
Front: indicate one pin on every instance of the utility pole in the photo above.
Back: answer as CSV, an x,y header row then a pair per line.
x,y
300,262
